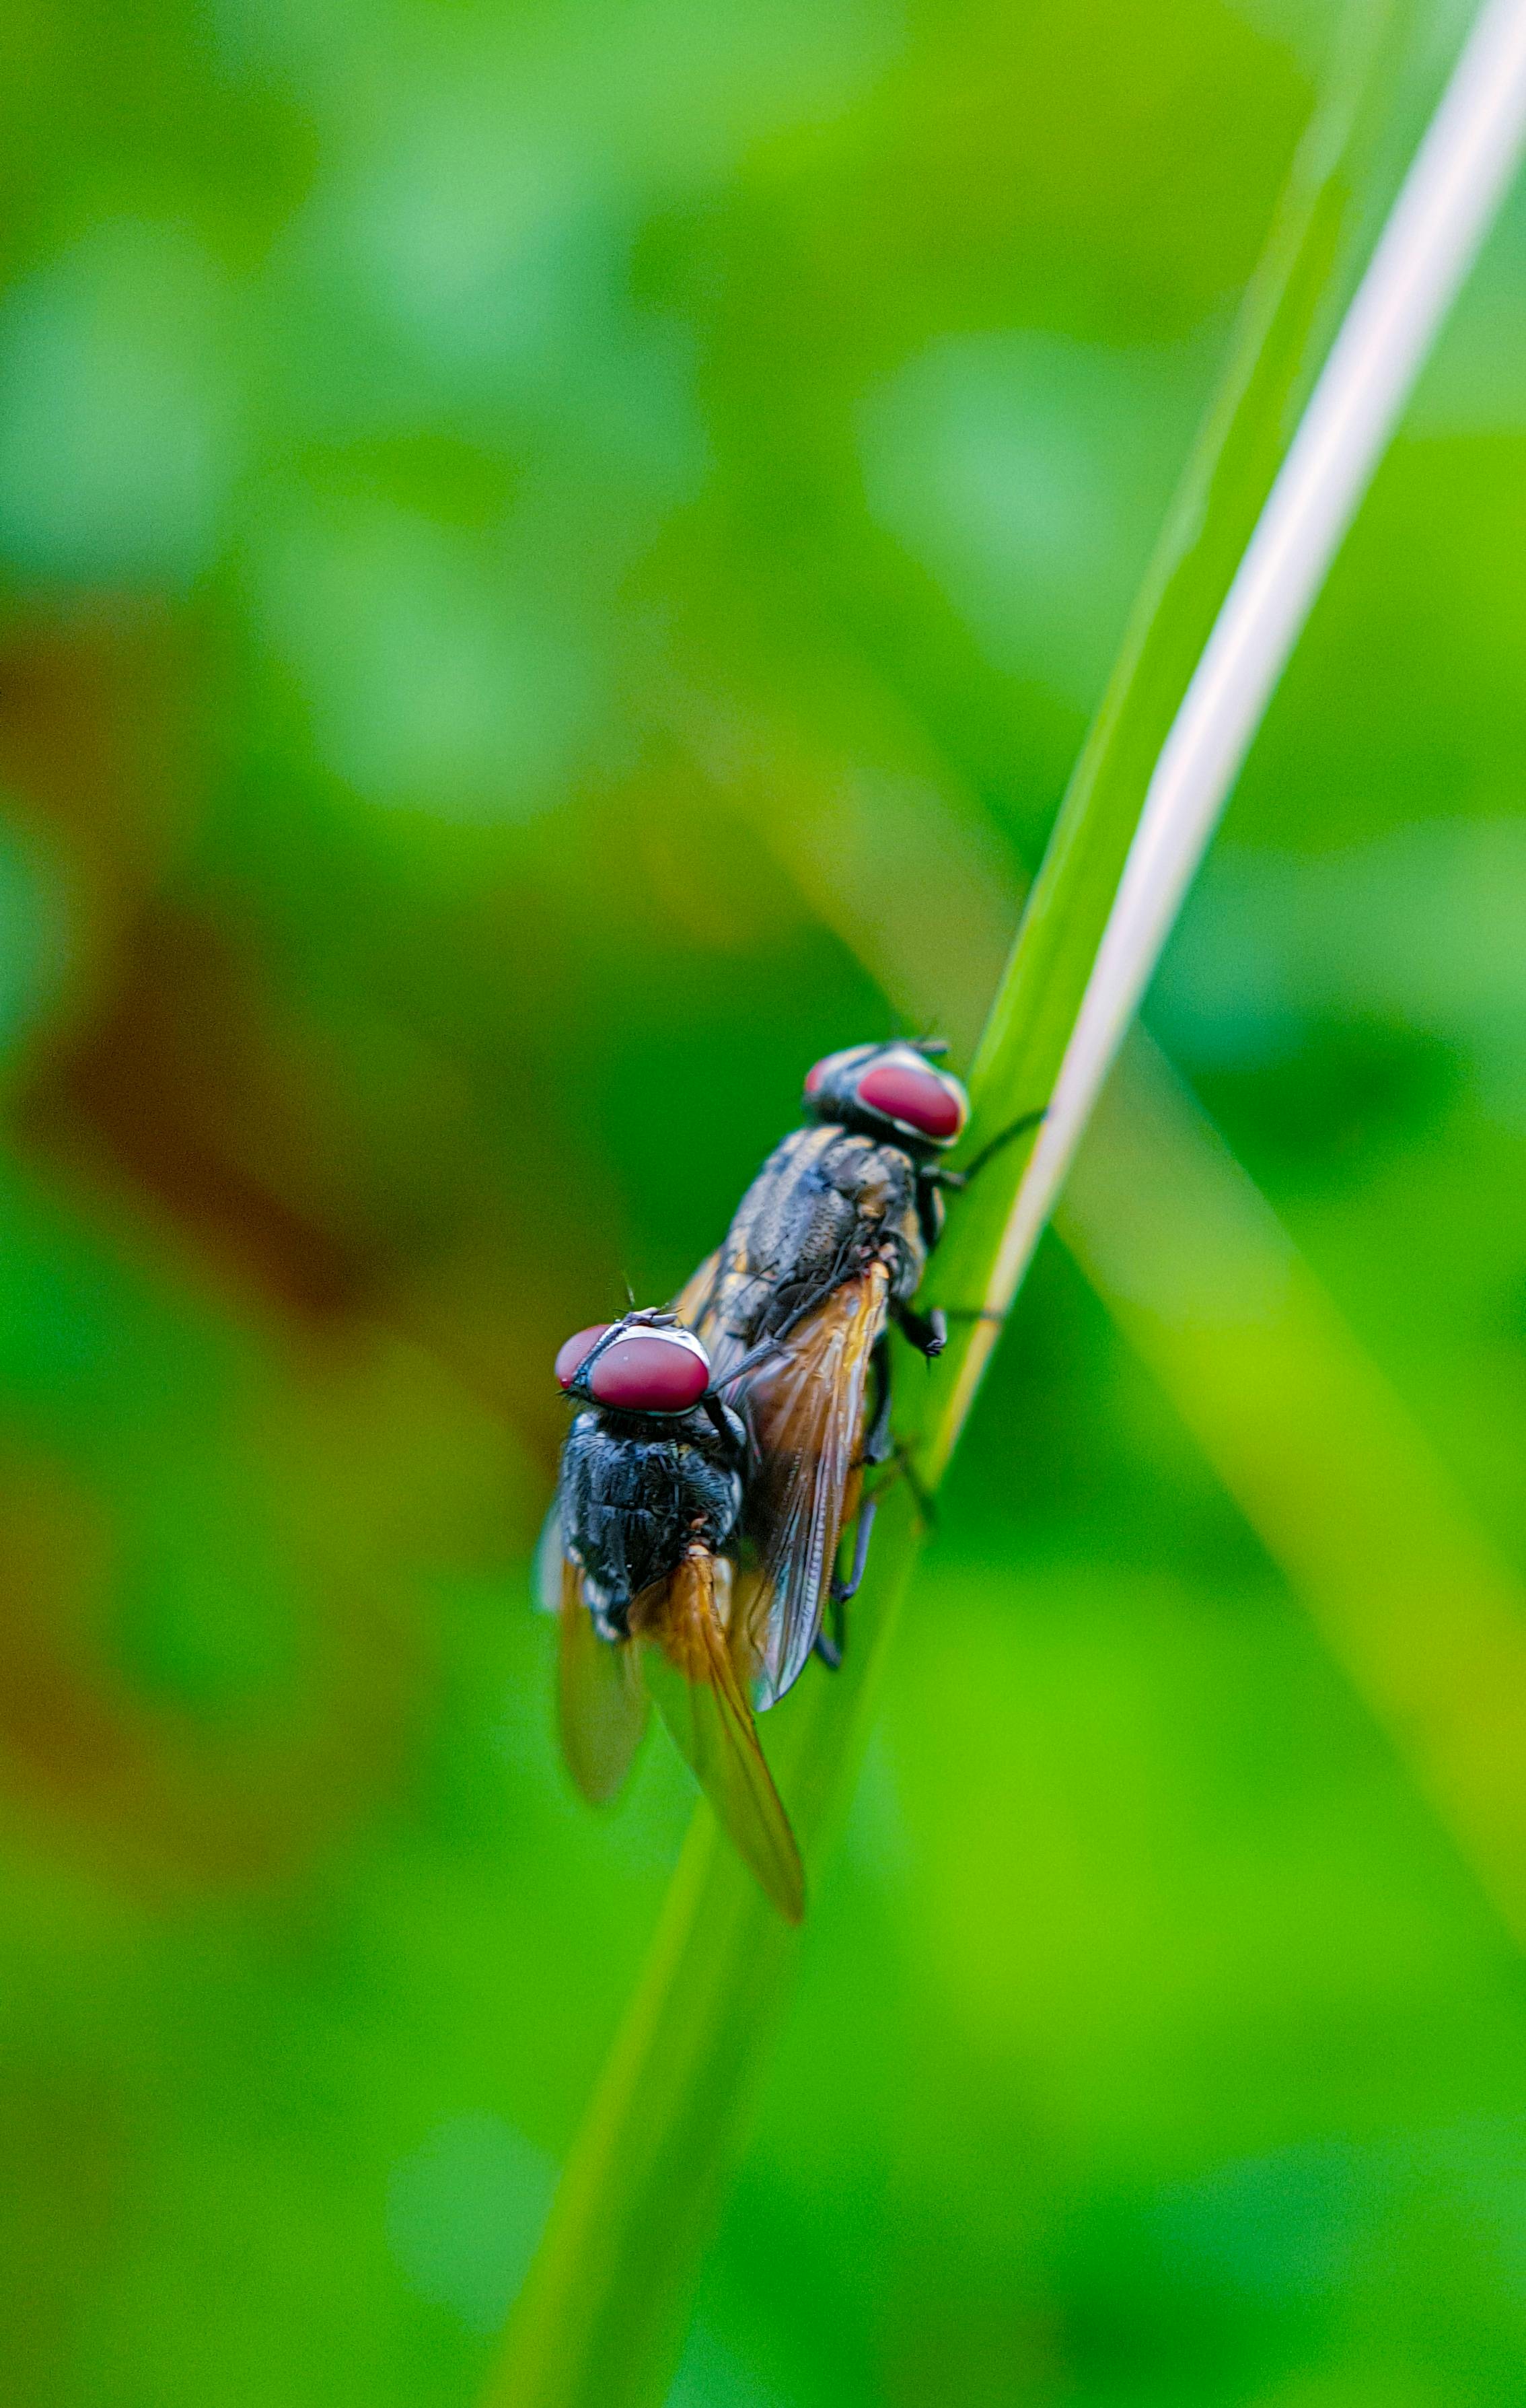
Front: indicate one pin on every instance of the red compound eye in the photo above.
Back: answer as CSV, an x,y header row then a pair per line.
x,y
575,1353
904,1092
647,1373
814,1076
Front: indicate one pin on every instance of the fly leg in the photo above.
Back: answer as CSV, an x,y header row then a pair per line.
x,y
716,1413
928,1332
831,1649
879,1447
902,1467
957,1178
843,1589
920,1497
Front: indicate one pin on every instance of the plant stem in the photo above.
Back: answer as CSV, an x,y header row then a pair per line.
x,y
601,2320
602,2312
1461,171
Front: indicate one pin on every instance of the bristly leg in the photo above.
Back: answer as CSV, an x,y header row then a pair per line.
x,y
902,1467
715,1413
878,1441
843,1589
958,1179
928,1332
830,1648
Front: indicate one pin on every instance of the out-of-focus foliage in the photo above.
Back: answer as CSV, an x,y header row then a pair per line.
x,y
542,549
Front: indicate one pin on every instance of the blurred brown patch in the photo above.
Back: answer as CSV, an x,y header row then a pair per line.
x,y
158,1064
86,710
172,1085
391,1147
164,1797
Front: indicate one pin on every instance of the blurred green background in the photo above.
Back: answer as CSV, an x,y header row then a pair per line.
x,y
555,560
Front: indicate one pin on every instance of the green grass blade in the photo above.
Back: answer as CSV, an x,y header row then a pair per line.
x,y
1426,1619
1461,168
1460,174
602,2312
601,2320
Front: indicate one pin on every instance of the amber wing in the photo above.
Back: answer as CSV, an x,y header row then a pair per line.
x,y
601,1700
807,1414
682,1625
694,1298
720,1302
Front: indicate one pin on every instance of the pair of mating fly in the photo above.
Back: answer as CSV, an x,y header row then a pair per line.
x,y
719,1449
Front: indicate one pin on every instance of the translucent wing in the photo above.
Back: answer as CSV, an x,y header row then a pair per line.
x,y
691,1674
719,1304
549,1561
693,1298
806,1415
601,1701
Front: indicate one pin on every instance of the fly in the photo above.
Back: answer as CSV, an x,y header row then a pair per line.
x,y
826,1250
638,1562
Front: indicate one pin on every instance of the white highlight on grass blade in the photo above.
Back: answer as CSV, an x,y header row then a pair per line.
x,y
1457,178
